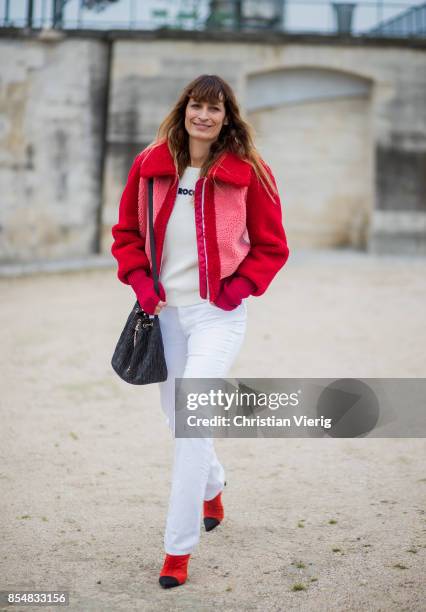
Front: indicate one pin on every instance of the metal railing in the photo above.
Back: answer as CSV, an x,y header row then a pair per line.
x,y
410,23
363,18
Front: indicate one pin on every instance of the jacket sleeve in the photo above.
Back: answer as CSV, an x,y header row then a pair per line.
x,y
269,250
128,246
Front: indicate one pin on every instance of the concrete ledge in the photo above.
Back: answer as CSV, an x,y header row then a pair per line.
x,y
269,37
398,233
92,262
397,244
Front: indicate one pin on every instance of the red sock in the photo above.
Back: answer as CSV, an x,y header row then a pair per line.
x,y
174,571
214,508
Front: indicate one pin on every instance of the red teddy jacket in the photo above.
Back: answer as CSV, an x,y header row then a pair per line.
x,y
241,240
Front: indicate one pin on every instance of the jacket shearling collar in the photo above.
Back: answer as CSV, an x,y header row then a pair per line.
x,y
229,168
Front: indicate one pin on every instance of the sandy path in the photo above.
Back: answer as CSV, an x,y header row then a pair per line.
x,y
86,458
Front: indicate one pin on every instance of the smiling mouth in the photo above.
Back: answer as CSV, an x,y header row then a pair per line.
x,y
201,125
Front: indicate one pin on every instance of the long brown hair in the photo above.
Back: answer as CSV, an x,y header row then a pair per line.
x,y
236,136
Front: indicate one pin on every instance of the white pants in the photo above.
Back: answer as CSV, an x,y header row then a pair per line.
x,y
200,341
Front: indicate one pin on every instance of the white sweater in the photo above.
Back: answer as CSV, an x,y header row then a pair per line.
x,y
179,268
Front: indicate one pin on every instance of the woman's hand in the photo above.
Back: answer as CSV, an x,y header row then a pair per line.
x,y
233,290
143,286
159,306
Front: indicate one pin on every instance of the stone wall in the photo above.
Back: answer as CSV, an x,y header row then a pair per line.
x,y
342,124
339,124
52,109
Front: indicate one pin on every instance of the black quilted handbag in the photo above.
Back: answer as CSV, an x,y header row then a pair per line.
x,y
139,355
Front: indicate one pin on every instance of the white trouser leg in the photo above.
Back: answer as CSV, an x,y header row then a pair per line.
x,y
213,340
215,478
175,351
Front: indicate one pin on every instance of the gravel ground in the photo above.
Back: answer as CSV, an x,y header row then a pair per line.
x,y
86,458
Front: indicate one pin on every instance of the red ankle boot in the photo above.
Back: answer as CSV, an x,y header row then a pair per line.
x,y
174,571
213,512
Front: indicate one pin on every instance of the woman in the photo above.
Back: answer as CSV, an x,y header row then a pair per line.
x,y
225,240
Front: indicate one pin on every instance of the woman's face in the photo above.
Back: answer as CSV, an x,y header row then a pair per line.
x,y
204,120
